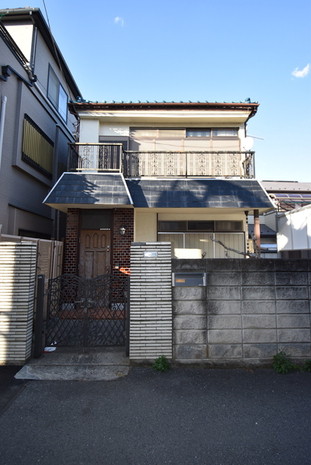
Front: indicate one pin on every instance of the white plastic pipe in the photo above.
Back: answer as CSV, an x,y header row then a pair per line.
x,y
2,119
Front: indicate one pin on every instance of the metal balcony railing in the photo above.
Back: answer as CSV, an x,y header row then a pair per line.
x,y
95,157
112,158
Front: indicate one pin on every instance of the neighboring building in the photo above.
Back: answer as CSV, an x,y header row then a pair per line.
x,y
35,125
287,196
144,172
294,233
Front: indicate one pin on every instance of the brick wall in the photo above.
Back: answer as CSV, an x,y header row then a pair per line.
x,y
72,242
248,311
122,244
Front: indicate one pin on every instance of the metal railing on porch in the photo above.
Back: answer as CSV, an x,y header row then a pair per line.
x,y
112,158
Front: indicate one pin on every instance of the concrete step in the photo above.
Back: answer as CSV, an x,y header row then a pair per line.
x,y
92,364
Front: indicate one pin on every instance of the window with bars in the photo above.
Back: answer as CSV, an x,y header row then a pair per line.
x,y
37,148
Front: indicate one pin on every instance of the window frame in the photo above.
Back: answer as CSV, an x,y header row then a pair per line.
x,y
208,235
158,133
31,149
214,226
58,100
213,134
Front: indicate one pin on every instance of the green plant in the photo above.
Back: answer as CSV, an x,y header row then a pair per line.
x,y
307,366
161,364
282,363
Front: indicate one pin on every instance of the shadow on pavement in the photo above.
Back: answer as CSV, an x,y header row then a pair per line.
x,y
9,386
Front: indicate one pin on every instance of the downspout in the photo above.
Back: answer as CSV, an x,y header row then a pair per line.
x,y
2,119
55,213
257,231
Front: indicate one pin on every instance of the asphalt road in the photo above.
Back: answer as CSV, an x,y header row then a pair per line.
x,y
9,387
186,416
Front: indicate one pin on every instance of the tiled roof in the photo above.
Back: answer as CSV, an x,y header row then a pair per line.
x,y
286,186
108,190
81,100
289,194
89,189
198,193
83,105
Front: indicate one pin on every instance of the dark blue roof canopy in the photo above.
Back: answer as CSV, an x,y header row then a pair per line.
x,y
89,190
108,190
198,193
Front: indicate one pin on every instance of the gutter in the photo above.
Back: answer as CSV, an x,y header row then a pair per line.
x,y
35,15
2,119
7,70
81,105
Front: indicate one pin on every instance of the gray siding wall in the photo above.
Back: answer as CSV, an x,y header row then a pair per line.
x,y
248,311
22,188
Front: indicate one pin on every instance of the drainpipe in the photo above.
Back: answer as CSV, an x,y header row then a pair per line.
x,y
2,118
257,230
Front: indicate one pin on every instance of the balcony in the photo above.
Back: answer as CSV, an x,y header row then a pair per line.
x,y
112,158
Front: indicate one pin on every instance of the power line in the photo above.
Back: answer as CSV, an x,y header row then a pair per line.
x,y
47,16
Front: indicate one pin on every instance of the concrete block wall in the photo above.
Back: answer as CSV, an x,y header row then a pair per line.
x,y
248,311
151,301
17,292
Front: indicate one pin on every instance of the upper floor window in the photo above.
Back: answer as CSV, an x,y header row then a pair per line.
x,y
213,132
57,94
198,132
37,148
157,133
226,132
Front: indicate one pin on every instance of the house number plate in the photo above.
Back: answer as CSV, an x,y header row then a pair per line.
x,y
150,254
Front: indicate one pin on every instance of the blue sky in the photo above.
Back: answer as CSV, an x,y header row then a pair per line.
x,y
176,50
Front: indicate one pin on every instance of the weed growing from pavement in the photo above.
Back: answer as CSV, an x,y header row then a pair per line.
x,y
307,366
282,364
161,364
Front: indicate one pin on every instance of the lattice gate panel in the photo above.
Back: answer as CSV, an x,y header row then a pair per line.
x,y
87,312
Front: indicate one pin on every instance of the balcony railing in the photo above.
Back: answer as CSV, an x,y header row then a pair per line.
x,y
112,158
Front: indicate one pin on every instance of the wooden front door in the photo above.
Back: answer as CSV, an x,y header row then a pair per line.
x,y
94,253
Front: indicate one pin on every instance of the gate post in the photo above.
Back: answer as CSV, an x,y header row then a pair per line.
x,y
39,317
127,317
151,331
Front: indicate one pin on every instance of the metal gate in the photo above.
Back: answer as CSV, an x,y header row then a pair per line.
x,y
87,312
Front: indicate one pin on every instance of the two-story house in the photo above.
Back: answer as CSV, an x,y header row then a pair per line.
x,y
35,125
169,172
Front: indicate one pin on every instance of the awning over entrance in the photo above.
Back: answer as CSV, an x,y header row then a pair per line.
x,y
108,190
246,194
89,190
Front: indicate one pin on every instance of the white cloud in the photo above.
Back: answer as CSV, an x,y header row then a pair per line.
x,y
119,20
302,73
